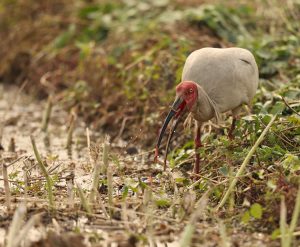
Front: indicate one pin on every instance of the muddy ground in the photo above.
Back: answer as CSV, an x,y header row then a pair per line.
x,y
152,211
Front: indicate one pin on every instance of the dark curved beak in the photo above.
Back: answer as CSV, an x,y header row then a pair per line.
x,y
176,109
172,131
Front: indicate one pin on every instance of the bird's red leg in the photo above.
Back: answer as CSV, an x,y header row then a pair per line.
x,y
230,133
198,144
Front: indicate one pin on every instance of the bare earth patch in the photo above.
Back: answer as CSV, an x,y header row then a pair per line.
x,y
147,206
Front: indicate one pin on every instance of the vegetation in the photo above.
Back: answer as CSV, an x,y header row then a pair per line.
x,y
113,65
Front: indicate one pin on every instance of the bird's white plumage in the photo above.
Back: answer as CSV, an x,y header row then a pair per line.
x,y
228,78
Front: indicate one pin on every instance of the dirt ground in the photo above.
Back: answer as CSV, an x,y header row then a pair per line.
x,y
139,218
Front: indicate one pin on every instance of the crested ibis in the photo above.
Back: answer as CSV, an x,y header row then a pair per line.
x,y
214,81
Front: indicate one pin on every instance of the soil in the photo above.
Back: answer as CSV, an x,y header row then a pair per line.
x,y
136,221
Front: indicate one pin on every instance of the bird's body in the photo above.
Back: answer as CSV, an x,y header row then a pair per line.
x,y
229,76
214,80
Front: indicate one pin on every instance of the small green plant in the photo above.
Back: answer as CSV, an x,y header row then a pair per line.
x,y
47,114
255,211
49,182
83,200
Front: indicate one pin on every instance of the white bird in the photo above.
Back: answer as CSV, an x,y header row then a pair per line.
x,y
214,81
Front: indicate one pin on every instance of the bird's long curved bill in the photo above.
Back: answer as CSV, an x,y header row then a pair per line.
x,y
176,109
172,131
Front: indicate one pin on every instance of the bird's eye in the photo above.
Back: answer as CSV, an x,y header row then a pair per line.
x,y
191,90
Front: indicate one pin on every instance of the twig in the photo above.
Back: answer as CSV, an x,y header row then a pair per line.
x,y
102,206
25,176
16,160
224,237
125,119
16,97
26,228
283,224
149,210
294,219
95,182
88,142
45,82
286,103
70,133
141,58
136,155
110,189
47,114
206,178
245,162
21,199
232,198
6,186
294,234
12,145
1,134
124,215
105,155
283,137
83,200
53,168
70,189
187,235
188,232
96,171
15,225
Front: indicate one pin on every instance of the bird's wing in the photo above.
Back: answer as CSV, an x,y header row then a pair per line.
x,y
226,78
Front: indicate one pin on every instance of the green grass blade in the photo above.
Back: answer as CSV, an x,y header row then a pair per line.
x,y
245,162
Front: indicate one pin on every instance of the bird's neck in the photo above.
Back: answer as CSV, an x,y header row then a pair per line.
x,y
206,108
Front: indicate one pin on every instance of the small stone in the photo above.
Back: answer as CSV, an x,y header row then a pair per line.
x,y
131,150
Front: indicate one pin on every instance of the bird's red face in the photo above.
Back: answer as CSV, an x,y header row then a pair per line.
x,y
188,91
186,97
